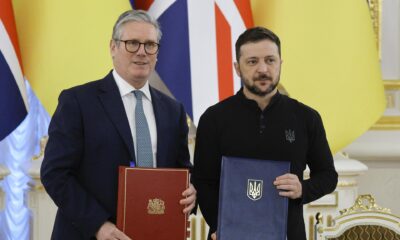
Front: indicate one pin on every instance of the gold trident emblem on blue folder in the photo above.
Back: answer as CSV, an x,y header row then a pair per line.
x,y
254,189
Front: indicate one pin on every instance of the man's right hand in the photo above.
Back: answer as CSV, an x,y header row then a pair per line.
x,y
108,231
214,236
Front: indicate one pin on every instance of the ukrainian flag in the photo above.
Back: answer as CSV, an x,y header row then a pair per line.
x,y
330,61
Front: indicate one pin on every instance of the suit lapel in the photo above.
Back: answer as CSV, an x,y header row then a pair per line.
x,y
111,99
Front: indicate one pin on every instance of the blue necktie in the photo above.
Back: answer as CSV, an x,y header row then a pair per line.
x,y
143,140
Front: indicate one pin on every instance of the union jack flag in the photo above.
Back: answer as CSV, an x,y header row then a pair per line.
x,y
198,48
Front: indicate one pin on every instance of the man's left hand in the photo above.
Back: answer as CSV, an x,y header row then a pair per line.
x,y
290,185
189,200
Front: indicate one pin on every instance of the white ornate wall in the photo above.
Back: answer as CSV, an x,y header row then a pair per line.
x,y
390,39
42,207
380,151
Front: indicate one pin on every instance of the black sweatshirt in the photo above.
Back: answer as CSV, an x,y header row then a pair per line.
x,y
285,130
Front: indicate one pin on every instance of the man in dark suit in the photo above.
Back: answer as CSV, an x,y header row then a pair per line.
x,y
94,131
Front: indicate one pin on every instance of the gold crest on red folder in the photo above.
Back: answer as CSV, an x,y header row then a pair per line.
x,y
156,206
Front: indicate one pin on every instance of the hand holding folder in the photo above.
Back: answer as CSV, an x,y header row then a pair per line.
x,y
149,203
250,206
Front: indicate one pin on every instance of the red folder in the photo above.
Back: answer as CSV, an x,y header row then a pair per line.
x,y
148,203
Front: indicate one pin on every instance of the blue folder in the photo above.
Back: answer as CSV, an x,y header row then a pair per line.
x,y
250,207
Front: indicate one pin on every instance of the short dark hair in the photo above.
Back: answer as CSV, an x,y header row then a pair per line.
x,y
256,34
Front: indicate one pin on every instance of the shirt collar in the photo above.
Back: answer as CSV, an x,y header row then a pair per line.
x,y
244,99
125,88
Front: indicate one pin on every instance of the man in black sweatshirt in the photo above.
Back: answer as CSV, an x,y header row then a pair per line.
x,y
259,122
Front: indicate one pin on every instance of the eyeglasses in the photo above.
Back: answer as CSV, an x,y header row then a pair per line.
x,y
133,46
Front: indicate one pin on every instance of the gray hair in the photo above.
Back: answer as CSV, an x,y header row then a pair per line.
x,y
134,16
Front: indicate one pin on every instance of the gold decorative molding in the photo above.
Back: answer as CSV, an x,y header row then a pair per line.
x,y
391,84
311,227
389,122
320,222
329,221
188,120
364,207
321,229
375,9
203,231
39,187
43,142
193,231
364,203
346,184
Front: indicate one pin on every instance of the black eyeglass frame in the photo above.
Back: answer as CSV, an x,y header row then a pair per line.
x,y
140,44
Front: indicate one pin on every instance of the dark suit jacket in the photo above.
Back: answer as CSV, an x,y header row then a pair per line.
x,y
89,137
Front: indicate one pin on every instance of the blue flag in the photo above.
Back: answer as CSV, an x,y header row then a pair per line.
x,y
13,107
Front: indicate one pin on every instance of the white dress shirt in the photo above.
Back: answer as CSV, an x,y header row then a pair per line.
x,y
129,100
